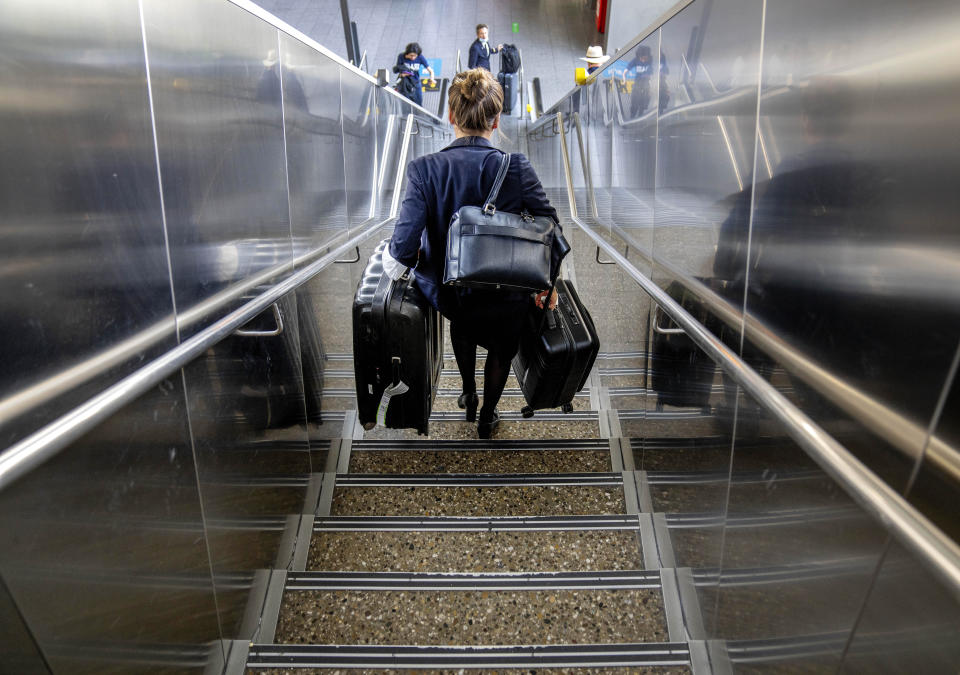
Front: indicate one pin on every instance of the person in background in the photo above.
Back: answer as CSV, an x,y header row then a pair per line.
x,y
594,58
411,64
437,186
480,50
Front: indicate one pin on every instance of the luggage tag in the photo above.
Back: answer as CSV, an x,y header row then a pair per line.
x,y
393,390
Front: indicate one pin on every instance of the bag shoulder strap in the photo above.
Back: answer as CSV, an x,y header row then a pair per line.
x,y
490,207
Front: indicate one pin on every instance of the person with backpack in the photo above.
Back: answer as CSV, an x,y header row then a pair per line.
x,y
410,65
480,50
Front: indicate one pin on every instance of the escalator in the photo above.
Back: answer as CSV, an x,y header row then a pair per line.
x,y
185,486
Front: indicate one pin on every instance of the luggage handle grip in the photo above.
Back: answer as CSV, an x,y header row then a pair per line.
x,y
277,316
657,328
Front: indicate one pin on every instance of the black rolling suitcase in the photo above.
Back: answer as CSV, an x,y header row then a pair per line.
x,y
556,354
509,82
397,350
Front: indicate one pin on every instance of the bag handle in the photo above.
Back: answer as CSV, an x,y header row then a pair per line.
x,y
489,207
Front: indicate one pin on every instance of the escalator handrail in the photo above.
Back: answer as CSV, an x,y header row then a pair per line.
x,y
22,457
284,27
910,527
32,451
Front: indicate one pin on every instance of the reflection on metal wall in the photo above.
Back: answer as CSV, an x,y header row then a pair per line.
x,y
219,119
103,549
786,172
82,256
311,113
359,115
142,544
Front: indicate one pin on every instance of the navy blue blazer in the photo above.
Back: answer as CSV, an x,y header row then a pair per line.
x,y
480,57
437,186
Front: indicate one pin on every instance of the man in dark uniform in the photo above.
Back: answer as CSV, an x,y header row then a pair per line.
x,y
480,50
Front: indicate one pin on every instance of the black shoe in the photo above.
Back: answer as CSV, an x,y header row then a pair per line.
x,y
470,402
486,429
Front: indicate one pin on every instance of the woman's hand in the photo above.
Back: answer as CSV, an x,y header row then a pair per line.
x,y
541,296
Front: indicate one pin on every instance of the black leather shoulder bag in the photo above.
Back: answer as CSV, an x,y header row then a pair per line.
x,y
491,249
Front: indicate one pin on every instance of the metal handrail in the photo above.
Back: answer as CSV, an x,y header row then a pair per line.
x,y
910,527
22,457
284,27
43,444
902,433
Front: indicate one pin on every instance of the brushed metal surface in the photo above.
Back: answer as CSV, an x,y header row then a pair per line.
x,y
247,422
909,623
358,106
104,543
83,258
218,110
314,145
851,236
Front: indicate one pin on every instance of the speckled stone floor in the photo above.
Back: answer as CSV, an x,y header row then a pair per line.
x,y
479,461
472,501
471,617
552,551
508,401
526,429
482,671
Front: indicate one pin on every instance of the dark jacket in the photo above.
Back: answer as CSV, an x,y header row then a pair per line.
x,y
437,186
480,57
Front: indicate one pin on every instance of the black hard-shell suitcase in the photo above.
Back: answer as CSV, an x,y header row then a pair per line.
x,y
556,354
397,350
509,83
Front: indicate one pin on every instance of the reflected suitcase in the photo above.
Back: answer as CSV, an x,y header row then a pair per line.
x,y
509,83
397,350
556,355
681,374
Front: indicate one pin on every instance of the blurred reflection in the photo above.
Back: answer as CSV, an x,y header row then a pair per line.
x,y
644,68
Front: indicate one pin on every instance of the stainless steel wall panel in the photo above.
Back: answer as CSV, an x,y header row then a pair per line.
x,y
213,69
311,108
390,122
247,416
701,169
358,108
798,554
20,652
934,490
910,623
87,292
850,235
103,546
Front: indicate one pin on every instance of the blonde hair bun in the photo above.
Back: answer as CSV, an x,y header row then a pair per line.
x,y
475,100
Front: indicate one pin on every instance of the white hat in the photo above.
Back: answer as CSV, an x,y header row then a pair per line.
x,y
595,55
271,59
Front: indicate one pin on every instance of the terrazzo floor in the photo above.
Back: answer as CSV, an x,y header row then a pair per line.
x,y
482,671
471,617
566,500
552,551
508,430
480,461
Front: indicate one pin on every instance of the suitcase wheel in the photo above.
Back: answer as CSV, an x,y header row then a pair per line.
x,y
526,411
567,408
